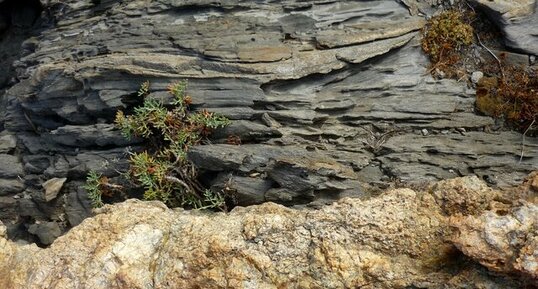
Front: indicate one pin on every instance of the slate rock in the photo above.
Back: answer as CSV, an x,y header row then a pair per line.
x,y
11,186
10,167
247,131
244,190
77,204
293,169
98,135
26,207
36,164
47,232
517,19
8,143
325,80
288,197
8,208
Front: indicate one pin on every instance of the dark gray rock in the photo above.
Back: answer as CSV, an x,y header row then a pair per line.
x,y
36,164
107,162
98,135
223,158
244,190
8,210
11,186
292,168
287,197
10,167
247,131
16,21
47,232
77,204
59,168
454,154
517,19
4,23
26,207
521,34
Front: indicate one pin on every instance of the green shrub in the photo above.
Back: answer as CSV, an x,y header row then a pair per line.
x,y
93,187
163,170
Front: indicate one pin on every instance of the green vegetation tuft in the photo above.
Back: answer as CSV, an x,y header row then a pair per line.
x,y
93,187
163,170
446,34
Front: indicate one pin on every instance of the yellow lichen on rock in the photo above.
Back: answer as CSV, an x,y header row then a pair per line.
x,y
399,239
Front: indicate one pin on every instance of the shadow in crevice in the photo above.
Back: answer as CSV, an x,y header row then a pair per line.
x,y
18,22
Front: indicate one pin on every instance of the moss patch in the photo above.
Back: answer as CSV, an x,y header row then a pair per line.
x,y
511,94
445,33
444,37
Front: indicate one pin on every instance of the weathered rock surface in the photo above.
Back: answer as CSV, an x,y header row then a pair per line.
x,y
16,21
518,20
327,96
397,240
502,241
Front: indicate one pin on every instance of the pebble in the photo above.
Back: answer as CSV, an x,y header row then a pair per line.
x,y
476,76
439,73
425,132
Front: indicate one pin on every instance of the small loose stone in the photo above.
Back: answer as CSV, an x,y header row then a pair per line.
x,y
476,76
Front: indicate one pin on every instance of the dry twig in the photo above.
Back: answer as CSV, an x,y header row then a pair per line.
x,y
523,140
492,54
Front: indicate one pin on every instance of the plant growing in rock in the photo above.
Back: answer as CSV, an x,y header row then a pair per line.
x,y
507,91
163,170
443,38
511,94
98,186
94,188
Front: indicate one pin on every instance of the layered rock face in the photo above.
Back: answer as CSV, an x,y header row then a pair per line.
x,y
401,239
327,97
518,21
